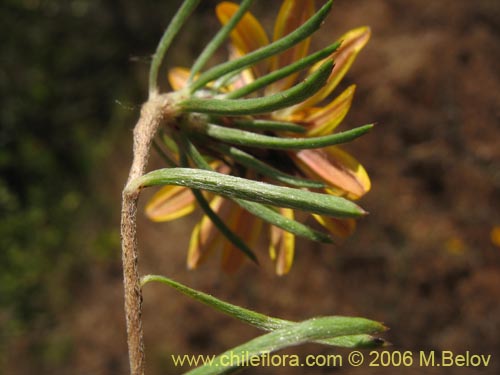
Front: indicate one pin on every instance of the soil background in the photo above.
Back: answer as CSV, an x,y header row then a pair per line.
x,y
423,261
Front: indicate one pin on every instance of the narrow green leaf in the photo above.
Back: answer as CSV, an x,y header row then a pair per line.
x,y
240,188
252,162
193,153
187,7
219,38
287,98
276,219
253,318
282,73
268,125
250,139
356,341
299,333
169,143
296,36
261,321
265,213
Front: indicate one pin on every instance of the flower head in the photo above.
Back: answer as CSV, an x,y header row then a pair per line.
x,y
255,117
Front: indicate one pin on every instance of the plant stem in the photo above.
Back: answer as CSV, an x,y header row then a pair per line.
x,y
155,112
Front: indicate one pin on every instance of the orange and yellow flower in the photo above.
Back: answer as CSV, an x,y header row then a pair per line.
x,y
341,173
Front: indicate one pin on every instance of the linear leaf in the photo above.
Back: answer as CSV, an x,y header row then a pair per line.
x,y
219,38
240,188
252,162
296,36
258,320
189,150
245,138
276,219
311,330
268,125
265,213
282,73
233,107
173,28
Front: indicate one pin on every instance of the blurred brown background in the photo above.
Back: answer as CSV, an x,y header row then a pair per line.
x,y
73,76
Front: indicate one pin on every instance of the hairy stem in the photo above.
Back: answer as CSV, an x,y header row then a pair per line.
x,y
155,112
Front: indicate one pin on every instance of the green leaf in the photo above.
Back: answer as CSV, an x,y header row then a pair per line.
x,y
299,333
282,73
250,139
296,36
234,107
219,38
276,219
240,188
252,162
258,320
187,7
263,125
190,151
265,213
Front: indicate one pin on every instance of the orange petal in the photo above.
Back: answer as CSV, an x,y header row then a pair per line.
x,y
344,174
323,121
282,245
178,78
495,235
352,42
292,14
338,227
248,227
232,259
170,203
248,35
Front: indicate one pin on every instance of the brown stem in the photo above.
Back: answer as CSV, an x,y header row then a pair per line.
x,y
154,113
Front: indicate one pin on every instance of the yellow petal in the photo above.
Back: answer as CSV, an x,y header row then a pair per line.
x,y
205,236
352,43
275,237
344,174
282,245
194,252
178,78
292,14
248,35
323,121
170,203
339,227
